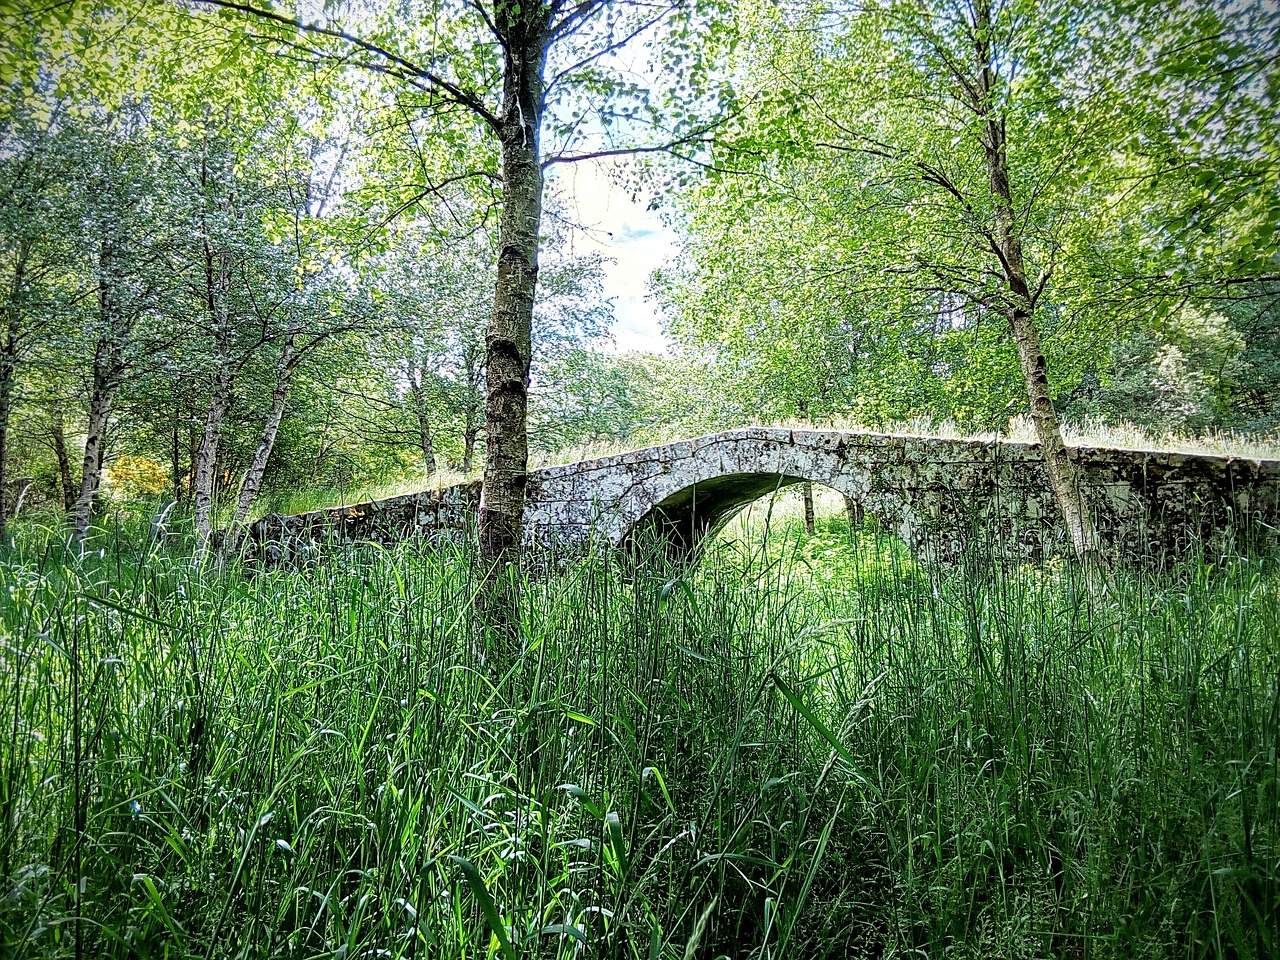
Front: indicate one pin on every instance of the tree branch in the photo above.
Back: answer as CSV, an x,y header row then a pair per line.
x,y
445,87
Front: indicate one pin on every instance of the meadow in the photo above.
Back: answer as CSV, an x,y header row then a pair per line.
x,y
809,746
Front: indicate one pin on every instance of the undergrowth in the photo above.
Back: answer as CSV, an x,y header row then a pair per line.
x,y
811,748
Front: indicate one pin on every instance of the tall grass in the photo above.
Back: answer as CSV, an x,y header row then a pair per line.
x,y
809,747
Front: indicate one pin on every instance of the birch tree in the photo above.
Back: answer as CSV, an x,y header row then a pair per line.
x,y
320,306
126,223
258,271
429,295
515,69
928,175
430,301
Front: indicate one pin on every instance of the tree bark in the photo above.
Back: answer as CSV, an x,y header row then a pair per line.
x,y
424,441
806,495
1064,475
853,510
468,445
509,344
207,457
58,438
108,368
26,488
251,486
100,400
418,390
9,373
217,288
509,337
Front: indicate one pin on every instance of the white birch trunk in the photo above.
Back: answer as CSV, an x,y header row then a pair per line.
x,y
207,459
251,486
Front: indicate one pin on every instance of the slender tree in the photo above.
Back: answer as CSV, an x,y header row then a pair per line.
x,y
946,187
120,198
492,61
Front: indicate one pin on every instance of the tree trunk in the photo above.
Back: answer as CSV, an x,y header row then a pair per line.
x,y
806,494
108,364
252,483
425,443
418,372
26,488
1064,475
207,457
58,438
853,510
509,344
8,374
509,337
468,444
100,399
217,280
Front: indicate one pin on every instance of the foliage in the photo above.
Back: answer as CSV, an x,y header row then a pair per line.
x,y
263,288
137,476
841,258
233,244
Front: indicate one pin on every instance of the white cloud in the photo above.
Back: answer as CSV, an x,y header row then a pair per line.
x,y
635,240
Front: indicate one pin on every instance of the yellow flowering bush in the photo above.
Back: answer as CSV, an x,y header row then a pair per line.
x,y
137,476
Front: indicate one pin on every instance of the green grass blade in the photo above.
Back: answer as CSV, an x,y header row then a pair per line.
x,y
487,906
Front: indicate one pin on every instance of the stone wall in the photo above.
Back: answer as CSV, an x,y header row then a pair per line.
x,y
437,515
940,496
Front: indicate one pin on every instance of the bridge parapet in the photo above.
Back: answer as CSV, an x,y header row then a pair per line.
x,y
934,493
437,515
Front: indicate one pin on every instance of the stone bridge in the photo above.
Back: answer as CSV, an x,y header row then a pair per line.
x,y
940,496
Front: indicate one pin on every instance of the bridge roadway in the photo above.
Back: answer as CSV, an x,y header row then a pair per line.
x,y
938,495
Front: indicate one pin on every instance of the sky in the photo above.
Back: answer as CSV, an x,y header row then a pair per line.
x,y
634,242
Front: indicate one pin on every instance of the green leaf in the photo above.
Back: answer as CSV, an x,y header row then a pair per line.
x,y
618,845
487,906
583,798
662,785
563,929
794,699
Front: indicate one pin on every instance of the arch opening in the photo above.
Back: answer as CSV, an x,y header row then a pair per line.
x,y
688,521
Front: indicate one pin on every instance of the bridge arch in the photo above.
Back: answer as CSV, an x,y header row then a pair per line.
x,y
689,517
687,491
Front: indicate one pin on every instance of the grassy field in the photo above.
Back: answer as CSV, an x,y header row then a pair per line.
x,y
809,747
